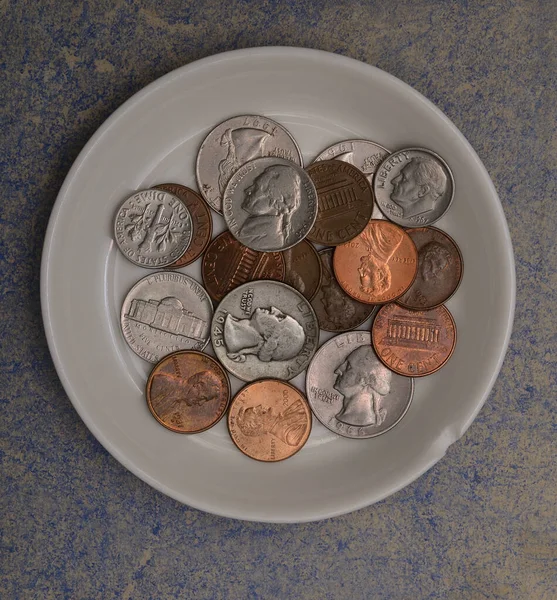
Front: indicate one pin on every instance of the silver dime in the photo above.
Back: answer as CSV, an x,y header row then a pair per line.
x,y
264,329
153,228
165,312
351,392
270,204
235,142
413,187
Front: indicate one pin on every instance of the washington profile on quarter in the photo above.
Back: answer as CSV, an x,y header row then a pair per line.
x,y
232,144
351,392
165,312
153,228
414,187
264,329
270,204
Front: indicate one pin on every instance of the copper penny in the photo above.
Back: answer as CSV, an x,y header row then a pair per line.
x,y
202,223
439,269
303,268
345,202
269,420
335,309
413,342
188,391
379,265
227,264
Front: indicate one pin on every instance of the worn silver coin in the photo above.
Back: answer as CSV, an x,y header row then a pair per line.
x,y
335,309
350,390
235,142
270,204
153,228
165,312
362,154
264,329
413,187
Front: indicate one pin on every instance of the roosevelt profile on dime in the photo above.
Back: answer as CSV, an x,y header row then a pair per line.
x,y
363,381
269,334
418,186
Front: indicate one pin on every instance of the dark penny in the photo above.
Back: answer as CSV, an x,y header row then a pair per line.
x,y
335,309
439,269
202,223
188,392
227,264
303,268
345,202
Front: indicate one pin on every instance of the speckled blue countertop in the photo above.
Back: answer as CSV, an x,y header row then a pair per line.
x,y
483,522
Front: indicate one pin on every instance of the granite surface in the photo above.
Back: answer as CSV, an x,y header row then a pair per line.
x,y
483,522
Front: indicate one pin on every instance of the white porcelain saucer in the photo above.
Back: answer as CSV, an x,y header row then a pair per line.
x,y
153,138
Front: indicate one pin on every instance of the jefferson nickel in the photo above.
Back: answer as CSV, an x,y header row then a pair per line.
x,y
270,204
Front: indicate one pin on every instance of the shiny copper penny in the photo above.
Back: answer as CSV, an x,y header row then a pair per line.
x,y
345,202
303,268
377,266
411,342
439,269
188,391
227,264
335,309
202,223
269,420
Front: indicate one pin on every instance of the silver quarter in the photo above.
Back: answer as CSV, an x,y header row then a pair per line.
x,y
350,390
362,154
335,309
166,312
413,187
153,228
235,142
270,204
264,329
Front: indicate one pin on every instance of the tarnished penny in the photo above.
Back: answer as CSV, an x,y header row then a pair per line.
x,y
188,392
345,202
303,268
411,342
202,223
335,309
269,420
379,265
439,269
227,264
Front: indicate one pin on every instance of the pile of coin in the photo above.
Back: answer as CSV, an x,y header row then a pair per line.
x,y
326,247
